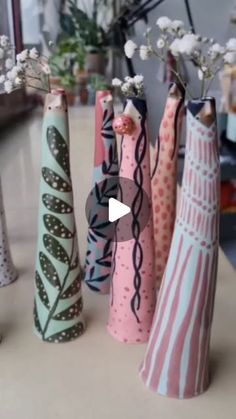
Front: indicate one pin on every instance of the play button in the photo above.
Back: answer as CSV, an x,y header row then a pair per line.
x,y
117,210
112,209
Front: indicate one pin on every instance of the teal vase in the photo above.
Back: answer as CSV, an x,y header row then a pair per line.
x,y
58,300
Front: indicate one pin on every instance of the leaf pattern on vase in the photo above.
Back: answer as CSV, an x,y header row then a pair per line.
x,y
36,319
55,249
72,289
67,334
71,312
55,181
55,227
58,259
54,204
49,270
58,148
41,290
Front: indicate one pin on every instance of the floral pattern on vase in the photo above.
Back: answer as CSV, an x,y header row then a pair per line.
x,y
176,363
99,251
164,177
58,300
133,292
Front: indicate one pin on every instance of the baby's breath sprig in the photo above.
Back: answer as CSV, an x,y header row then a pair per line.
x,y
206,54
29,68
131,86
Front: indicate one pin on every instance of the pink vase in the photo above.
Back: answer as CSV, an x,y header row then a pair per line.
x,y
176,363
164,177
133,294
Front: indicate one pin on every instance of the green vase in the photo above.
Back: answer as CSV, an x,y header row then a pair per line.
x,y
58,300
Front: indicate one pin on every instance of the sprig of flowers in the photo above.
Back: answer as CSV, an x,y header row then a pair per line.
x,y
131,86
207,55
29,68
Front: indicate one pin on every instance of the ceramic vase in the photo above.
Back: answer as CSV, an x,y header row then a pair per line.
x,y
8,273
133,295
164,177
99,244
58,300
176,363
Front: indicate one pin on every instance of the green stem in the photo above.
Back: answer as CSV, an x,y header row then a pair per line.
x,y
53,309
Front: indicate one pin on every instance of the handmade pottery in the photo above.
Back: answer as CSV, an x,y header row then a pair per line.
x,y
176,363
58,300
164,182
133,291
99,248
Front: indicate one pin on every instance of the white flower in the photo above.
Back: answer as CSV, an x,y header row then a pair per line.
x,y
116,82
22,56
15,71
204,73
2,79
164,23
18,81
125,88
8,63
129,80
138,79
9,75
175,47
1,53
34,54
176,25
145,52
230,58
215,50
46,69
231,44
188,44
160,43
8,86
4,41
130,48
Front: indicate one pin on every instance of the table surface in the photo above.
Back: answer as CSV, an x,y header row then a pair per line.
x,y
94,376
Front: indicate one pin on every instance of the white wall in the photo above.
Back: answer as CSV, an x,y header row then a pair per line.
x,y
211,18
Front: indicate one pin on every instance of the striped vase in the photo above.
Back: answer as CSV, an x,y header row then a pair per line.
x,y
177,358
99,249
133,292
58,300
164,177
8,273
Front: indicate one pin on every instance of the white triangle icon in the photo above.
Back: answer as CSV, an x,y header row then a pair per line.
x,y
117,210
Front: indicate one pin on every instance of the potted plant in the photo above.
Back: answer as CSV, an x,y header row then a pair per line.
x,y
79,24
97,82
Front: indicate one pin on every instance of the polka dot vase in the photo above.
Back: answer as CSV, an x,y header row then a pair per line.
x,y
164,183
176,363
8,273
133,291
99,244
58,301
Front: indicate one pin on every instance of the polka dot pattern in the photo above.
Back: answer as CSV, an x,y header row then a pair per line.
x,y
55,181
164,186
55,227
54,204
58,148
67,335
49,270
71,312
55,249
